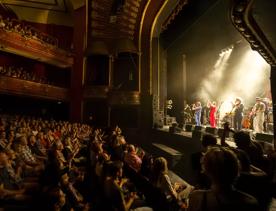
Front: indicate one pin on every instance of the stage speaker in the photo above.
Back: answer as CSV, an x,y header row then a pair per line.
x,y
198,128
188,128
172,129
264,137
211,130
220,132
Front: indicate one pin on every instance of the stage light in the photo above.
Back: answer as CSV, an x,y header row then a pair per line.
x,y
210,85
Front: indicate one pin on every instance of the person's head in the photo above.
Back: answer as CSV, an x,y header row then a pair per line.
x,y
221,165
103,157
238,100
67,141
160,166
242,139
198,103
3,158
11,134
131,148
58,145
23,141
65,179
32,140
258,99
208,140
116,169
11,154
2,134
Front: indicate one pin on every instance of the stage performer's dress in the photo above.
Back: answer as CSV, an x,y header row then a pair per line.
x,y
258,121
213,116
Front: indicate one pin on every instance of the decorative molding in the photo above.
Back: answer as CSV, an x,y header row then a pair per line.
x,y
33,49
124,98
95,91
173,14
18,86
244,22
51,5
151,37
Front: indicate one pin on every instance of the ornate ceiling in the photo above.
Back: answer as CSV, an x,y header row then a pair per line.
x,y
115,18
45,11
53,5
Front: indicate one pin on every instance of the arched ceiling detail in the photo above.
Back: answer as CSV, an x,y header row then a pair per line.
x,y
167,15
111,19
45,11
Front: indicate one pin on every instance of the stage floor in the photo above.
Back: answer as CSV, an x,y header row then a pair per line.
x,y
229,141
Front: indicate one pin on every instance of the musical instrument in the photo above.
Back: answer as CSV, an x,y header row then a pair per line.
x,y
246,123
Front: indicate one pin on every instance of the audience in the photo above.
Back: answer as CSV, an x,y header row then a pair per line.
x,y
58,165
27,31
161,179
132,159
221,165
19,72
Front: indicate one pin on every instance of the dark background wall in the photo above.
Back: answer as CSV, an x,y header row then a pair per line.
x,y
201,39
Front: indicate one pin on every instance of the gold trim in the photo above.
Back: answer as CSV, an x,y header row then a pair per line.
x,y
84,70
140,41
84,60
151,36
86,25
110,71
178,8
244,22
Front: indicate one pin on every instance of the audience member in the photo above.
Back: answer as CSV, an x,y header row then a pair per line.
x,y
221,165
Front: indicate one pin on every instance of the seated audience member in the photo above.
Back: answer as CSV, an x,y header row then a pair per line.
x,y
221,165
253,149
161,180
253,180
132,159
3,141
35,148
74,200
8,177
117,196
102,159
201,179
26,154
147,166
117,146
2,22
113,192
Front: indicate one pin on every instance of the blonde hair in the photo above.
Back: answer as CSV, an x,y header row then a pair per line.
x,y
160,166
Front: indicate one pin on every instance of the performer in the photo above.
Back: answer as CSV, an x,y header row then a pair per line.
x,y
205,114
238,114
258,111
187,114
197,108
212,115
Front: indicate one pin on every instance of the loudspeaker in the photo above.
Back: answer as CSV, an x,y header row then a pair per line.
x,y
172,129
198,128
264,137
211,130
220,132
188,128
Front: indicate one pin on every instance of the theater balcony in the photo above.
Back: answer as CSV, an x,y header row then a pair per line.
x,y
16,86
15,43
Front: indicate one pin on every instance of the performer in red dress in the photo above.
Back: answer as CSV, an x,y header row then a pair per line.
x,y
213,109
